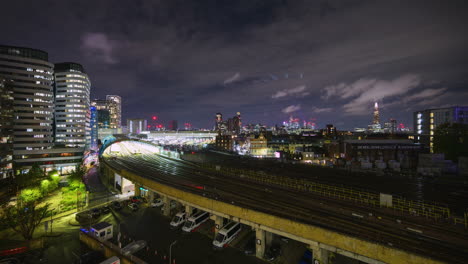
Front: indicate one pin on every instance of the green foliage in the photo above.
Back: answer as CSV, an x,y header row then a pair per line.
x,y
53,173
45,187
36,172
452,140
77,173
30,195
24,218
31,178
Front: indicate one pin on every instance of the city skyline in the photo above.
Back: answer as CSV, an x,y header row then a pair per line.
x,y
268,61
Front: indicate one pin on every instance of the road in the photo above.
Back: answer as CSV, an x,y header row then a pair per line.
x,y
445,244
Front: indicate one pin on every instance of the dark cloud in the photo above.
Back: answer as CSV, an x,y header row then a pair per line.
x,y
187,60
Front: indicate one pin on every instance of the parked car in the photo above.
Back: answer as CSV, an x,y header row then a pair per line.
x,y
133,247
133,206
95,212
116,205
250,247
273,252
178,219
306,258
157,202
136,199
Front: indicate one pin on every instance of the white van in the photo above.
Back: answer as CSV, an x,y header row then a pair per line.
x,y
195,221
227,234
179,219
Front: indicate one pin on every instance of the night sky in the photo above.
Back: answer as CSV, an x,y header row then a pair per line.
x,y
269,59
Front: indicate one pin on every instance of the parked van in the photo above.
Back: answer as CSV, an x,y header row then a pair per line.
x,y
227,234
178,219
195,221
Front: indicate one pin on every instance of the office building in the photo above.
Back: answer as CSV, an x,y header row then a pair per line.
x,y
115,110
72,120
6,129
31,76
426,121
136,125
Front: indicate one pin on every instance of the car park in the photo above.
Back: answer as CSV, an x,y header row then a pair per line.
x,y
273,252
133,206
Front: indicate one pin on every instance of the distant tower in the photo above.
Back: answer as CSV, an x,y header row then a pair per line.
x,y
376,120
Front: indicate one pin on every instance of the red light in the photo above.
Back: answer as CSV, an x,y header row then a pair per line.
x,y
149,126
155,118
193,152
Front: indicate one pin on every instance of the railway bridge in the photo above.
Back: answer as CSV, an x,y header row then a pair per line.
x,y
272,210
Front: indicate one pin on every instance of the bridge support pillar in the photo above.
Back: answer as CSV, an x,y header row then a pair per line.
x,y
150,196
260,243
188,210
166,206
320,255
218,223
137,189
268,238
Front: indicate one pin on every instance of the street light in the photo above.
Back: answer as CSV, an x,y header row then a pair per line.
x,y
170,251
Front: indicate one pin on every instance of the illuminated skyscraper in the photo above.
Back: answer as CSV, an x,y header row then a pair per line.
x,y
72,88
115,110
376,120
375,127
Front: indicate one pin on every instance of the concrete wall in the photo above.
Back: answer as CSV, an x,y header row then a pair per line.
x,y
108,249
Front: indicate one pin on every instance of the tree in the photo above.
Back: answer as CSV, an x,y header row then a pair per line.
x,y
31,178
452,140
24,219
77,173
30,195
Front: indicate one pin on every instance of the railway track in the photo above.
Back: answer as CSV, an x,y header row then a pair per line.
x,y
283,203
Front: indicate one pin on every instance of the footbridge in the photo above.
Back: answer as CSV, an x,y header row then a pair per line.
x,y
322,224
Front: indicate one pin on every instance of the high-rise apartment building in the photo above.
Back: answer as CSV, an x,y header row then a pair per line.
x,y
6,129
31,76
426,121
72,117
115,110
